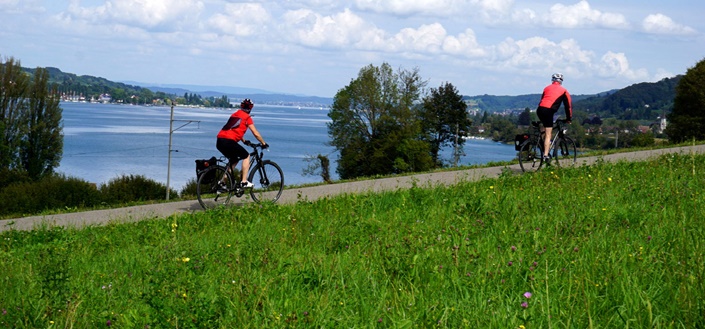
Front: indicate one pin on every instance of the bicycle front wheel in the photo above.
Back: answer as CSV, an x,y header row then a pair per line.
x,y
566,153
268,179
530,156
209,190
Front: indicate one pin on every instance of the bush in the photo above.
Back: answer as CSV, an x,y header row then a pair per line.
x,y
51,192
641,140
129,188
9,177
189,189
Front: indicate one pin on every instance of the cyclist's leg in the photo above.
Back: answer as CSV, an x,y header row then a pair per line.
x,y
546,117
234,152
245,168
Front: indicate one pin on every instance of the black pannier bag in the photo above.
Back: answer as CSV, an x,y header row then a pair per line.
x,y
201,166
518,139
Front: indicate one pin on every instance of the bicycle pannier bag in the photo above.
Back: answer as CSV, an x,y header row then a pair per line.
x,y
518,139
202,165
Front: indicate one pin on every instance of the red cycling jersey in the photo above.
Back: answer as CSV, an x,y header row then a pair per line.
x,y
553,95
236,126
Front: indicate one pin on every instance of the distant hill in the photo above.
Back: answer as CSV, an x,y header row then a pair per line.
x,y
493,104
641,101
90,85
181,88
237,93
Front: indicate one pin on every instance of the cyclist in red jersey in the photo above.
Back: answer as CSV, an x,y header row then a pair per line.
x,y
232,133
553,96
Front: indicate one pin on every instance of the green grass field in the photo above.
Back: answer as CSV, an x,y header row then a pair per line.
x,y
606,246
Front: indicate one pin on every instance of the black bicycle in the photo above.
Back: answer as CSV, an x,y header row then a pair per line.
x,y
562,150
216,184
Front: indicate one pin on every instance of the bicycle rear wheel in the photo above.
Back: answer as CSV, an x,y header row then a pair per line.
x,y
566,153
530,156
268,179
208,191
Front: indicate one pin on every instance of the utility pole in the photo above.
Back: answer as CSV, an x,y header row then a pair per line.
x,y
171,131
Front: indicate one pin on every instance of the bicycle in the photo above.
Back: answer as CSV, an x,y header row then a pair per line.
x,y
562,149
216,185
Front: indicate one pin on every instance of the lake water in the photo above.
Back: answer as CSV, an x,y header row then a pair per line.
x,y
104,141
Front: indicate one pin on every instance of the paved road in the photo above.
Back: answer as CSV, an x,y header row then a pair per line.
x,y
137,213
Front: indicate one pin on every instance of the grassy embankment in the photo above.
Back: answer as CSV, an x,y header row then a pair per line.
x,y
611,245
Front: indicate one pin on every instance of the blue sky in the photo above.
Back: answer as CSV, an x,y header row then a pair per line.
x,y
315,47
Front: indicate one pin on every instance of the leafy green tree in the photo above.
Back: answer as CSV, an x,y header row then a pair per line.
x,y
687,120
13,90
525,117
43,143
444,118
31,143
501,128
373,124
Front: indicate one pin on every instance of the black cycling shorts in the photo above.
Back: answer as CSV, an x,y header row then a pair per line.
x,y
231,150
545,115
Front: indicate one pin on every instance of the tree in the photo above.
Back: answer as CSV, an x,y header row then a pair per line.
x,y
444,119
525,117
13,89
374,127
42,142
687,120
30,131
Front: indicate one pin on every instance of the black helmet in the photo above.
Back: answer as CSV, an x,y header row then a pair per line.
x,y
247,105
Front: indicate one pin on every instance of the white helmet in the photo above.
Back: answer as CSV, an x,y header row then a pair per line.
x,y
557,77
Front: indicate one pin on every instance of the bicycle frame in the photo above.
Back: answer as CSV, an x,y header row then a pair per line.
x,y
560,130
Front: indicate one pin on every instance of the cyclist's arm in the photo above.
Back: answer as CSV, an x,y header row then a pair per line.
x,y
568,105
256,133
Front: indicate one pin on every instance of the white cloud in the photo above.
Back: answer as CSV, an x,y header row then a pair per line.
x,y
346,30
616,65
582,15
465,44
339,30
410,7
441,8
538,55
143,13
241,19
494,6
662,24
427,38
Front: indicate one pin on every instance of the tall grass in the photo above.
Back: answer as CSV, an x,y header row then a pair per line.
x,y
606,246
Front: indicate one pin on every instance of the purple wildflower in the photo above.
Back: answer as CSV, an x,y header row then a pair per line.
x,y
525,305
527,295
514,248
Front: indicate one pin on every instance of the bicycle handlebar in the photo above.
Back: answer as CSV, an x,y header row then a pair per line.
x,y
255,145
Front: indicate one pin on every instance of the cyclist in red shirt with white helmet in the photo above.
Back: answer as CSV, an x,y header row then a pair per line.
x,y
232,133
553,96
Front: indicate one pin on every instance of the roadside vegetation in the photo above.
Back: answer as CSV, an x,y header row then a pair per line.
x,y
609,245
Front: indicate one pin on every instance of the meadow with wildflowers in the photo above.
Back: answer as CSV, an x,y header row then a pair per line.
x,y
605,246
